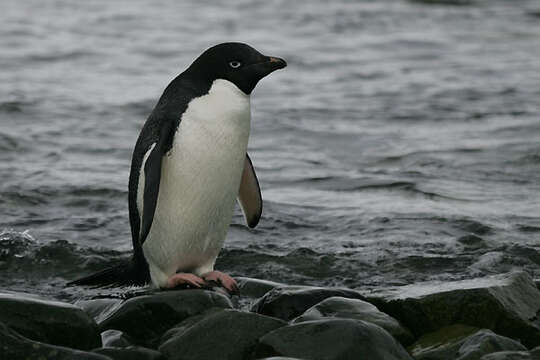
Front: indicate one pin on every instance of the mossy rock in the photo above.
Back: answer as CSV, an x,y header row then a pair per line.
x,y
460,342
508,304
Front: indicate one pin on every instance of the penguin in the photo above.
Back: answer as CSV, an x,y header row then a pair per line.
x,y
189,166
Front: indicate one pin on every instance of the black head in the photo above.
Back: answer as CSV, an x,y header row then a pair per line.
x,y
236,62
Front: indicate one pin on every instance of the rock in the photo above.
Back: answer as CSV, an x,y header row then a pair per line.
x,y
186,324
339,307
331,339
485,342
514,355
506,304
50,322
115,338
289,302
279,358
146,318
16,347
130,353
222,334
460,342
99,309
441,344
255,288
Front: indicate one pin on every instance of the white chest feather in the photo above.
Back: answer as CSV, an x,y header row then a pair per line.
x,y
200,178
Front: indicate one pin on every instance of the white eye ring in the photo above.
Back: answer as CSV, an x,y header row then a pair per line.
x,y
235,64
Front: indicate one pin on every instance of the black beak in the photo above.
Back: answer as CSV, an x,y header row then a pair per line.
x,y
276,62
269,64
254,72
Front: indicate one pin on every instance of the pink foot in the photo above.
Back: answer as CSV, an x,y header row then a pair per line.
x,y
184,278
225,280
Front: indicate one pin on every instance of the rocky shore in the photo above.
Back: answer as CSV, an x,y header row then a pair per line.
x,y
490,318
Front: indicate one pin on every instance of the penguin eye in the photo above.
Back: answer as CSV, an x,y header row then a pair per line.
x,y
235,64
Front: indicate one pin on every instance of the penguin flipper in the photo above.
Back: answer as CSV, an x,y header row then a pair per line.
x,y
249,195
152,177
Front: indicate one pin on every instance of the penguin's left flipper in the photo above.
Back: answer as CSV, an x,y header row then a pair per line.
x,y
152,177
249,195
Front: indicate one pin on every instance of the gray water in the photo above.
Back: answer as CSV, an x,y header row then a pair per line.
x,y
401,144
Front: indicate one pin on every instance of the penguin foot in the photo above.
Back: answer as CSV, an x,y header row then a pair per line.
x,y
223,279
184,278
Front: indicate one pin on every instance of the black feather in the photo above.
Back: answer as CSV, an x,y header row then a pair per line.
x,y
124,274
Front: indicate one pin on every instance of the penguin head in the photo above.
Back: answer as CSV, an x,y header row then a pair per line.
x,y
236,62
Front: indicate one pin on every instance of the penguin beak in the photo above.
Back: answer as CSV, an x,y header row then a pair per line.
x,y
267,65
275,63
278,63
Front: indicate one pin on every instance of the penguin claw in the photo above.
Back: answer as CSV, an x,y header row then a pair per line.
x,y
184,278
224,280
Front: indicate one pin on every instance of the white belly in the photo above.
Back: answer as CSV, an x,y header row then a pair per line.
x,y
200,178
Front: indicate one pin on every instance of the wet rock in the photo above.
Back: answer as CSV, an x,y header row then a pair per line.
x,y
506,304
130,353
485,342
220,334
115,338
460,342
255,288
13,346
441,344
186,324
339,307
50,322
331,339
289,302
99,309
514,355
146,318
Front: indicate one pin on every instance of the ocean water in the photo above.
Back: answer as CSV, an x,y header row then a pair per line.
x,y
401,144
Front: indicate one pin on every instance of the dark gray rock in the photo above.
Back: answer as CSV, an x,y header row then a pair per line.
x,y
506,304
186,324
50,322
99,309
280,358
13,346
289,302
146,318
461,342
339,307
485,342
130,353
514,355
441,344
222,334
331,339
255,288
115,338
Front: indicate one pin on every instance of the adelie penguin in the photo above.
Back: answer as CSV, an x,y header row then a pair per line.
x,y
189,165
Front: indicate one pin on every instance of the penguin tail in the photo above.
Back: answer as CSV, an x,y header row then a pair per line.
x,y
125,274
